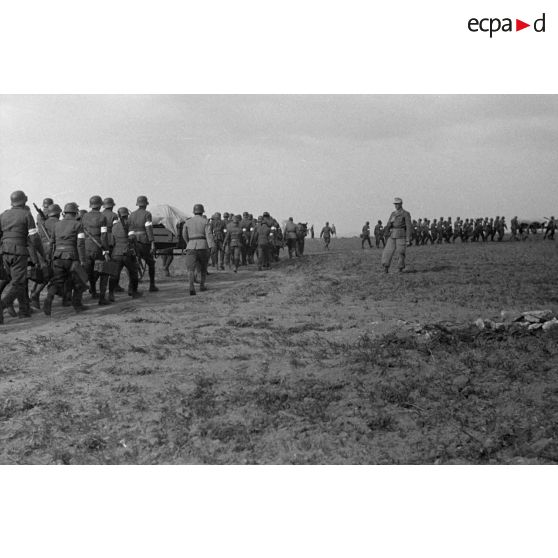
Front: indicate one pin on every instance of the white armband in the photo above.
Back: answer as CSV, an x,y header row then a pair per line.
x,y
132,233
148,224
33,231
81,235
104,230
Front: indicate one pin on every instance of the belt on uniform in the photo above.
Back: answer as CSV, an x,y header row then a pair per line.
x,y
197,238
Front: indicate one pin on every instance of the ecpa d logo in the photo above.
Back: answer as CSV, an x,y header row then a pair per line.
x,y
493,25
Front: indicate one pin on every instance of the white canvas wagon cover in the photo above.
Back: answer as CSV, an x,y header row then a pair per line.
x,y
168,216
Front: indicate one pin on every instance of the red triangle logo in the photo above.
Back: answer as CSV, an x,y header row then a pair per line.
x,y
519,25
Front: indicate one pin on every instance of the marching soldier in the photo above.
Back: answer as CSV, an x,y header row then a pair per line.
x,y
95,227
46,232
68,245
365,235
260,237
232,242
550,228
124,253
18,235
399,226
301,233
379,234
196,231
290,236
141,225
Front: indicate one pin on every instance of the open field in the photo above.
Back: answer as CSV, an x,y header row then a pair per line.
x,y
323,359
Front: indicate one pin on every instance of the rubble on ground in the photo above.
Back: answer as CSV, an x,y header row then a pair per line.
x,y
531,320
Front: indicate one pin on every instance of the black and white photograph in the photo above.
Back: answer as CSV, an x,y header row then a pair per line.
x,y
264,279
278,279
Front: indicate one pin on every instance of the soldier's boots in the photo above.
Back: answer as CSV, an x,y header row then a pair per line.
x,y
203,288
192,292
103,300
118,289
111,297
153,288
47,304
136,294
94,293
11,310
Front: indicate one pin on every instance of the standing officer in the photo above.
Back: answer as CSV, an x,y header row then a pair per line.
x,y
141,225
366,235
326,235
95,227
196,232
68,242
399,226
290,236
124,253
17,230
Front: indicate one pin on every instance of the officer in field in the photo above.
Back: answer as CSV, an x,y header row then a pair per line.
x,y
196,232
325,234
95,227
260,238
124,253
68,245
17,231
399,227
141,225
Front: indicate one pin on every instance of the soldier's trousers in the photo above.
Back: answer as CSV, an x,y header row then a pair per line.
x,y
218,255
16,266
394,245
62,276
232,256
364,240
193,258
131,265
90,259
263,255
300,246
144,252
292,247
380,239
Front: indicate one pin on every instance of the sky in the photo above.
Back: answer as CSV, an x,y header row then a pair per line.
x,y
317,158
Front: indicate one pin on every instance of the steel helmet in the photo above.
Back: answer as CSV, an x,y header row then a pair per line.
x,y
123,212
47,202
18,198
225,215
71,207
54,209
198,209
142,200
95,202
108,202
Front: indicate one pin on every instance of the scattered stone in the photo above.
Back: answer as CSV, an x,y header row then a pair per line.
x,y
551,324
534,326
509,316
479,322
538,315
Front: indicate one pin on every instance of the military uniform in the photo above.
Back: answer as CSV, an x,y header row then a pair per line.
x,y
68,241
379,234
399,227
95,227
233,239
124,253
291,237
260,237
17,231
326,235
196,231
365,235
141,226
